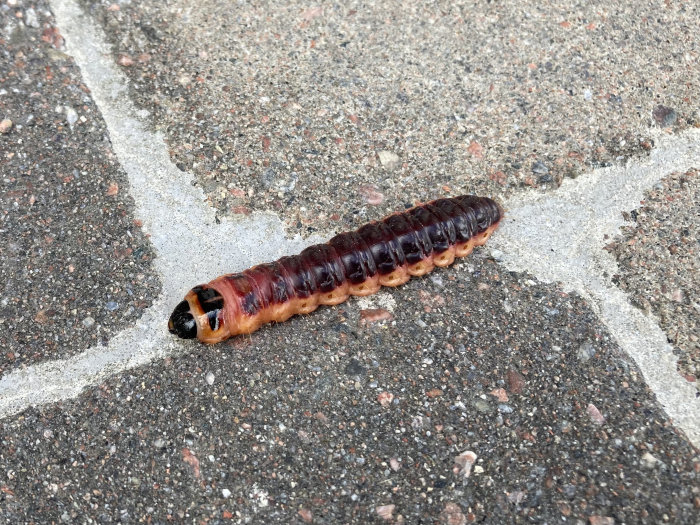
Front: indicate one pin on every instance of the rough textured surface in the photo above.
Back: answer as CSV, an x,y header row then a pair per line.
x,y
474,395
561,236
299,420
317,112
74,265
659,261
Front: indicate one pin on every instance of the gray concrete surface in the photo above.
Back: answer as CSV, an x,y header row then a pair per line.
x,y
289,106
520,385
659,255
74,268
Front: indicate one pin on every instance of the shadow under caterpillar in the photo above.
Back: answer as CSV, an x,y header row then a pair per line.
x,y
382,253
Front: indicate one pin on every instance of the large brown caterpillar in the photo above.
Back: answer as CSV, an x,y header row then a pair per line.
x,y
383,253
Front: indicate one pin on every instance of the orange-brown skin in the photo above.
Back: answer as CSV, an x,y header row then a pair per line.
x,y
383,253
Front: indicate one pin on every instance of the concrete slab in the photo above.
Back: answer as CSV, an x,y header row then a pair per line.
x,y
660,265
325,419
317,111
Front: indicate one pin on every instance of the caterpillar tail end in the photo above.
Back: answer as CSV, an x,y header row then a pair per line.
x,y
182,322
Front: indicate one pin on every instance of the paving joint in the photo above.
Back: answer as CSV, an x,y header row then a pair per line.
x,y
560,237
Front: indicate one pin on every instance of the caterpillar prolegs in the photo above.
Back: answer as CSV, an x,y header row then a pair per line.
x,y
383,253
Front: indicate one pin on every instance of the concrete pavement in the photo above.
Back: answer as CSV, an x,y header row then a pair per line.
x,y
518,385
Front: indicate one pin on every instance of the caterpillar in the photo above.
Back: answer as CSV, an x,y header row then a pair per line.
x,y
381,253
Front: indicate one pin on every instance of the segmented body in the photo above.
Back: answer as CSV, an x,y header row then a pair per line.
x,y
382,253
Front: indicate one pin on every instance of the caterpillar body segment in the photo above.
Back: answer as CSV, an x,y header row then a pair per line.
x,y
383,253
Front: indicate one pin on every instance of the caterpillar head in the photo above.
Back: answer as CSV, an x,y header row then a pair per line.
x,y
182,322
199,315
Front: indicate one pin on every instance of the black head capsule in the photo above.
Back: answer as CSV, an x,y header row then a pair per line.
x,y
182,322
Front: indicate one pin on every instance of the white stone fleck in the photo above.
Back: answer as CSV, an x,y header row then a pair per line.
x,y
385,511
5,125
381,299
31,19
649,460
259,496
71,115
389,159
463,463
595,414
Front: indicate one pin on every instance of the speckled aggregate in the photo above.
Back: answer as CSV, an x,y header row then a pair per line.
x,y
278,426
319,112
473,395
659,259
74,265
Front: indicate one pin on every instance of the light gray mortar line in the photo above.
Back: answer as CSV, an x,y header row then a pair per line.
x,y
190,246
560,237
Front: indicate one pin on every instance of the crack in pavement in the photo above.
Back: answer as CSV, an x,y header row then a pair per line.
x,y
558,236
